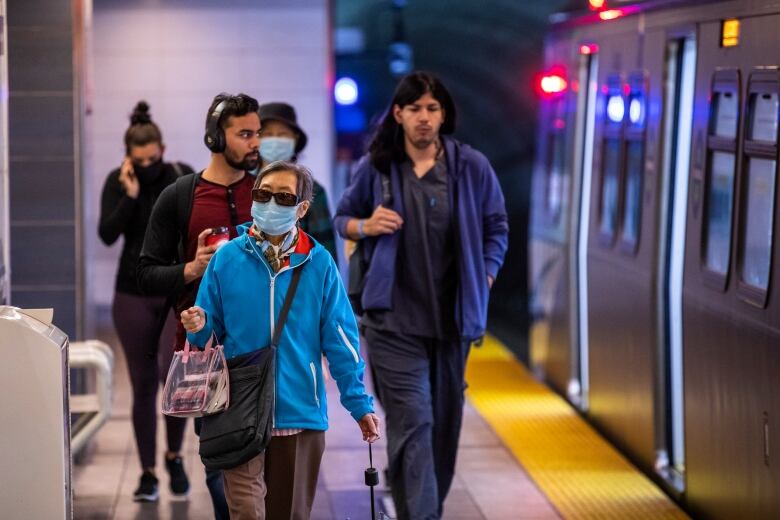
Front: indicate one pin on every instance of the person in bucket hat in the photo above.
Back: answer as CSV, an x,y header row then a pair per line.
x,y
282,139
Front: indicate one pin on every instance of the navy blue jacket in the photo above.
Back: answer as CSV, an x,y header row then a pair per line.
x,y
481,232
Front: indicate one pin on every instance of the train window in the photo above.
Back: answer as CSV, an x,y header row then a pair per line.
x,y
720,176
635,157
763,108
758,183
556,147
633,192
757,246
720,201
725,107
609,188
612,161
555,175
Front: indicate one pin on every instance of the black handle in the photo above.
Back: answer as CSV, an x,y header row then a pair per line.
x,y
372,479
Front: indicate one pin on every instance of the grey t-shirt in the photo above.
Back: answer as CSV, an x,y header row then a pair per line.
x,y
426,271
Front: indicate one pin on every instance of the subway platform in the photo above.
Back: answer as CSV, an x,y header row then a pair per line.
x,y
524,454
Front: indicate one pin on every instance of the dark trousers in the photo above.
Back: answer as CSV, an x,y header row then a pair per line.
x,y
146,330
280,483
420,382
215,485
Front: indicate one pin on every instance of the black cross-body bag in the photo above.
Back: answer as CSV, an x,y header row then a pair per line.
x,y
243,431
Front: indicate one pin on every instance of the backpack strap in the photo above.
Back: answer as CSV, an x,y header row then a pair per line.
x,y
387,194
185,193
287,304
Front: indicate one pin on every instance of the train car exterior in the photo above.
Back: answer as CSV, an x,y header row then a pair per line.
x,y
5,274
653,267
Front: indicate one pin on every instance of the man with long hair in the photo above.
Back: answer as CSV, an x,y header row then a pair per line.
x,y
433,255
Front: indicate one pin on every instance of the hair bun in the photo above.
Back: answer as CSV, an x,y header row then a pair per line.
x,y
140,115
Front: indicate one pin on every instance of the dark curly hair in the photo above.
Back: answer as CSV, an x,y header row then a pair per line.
x,y
238,105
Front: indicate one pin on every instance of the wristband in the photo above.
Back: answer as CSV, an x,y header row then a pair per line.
x,y
360,232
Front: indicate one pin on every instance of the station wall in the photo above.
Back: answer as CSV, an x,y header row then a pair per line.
x,y
177,55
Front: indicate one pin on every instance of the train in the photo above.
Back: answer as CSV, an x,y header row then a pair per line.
x,y
654,269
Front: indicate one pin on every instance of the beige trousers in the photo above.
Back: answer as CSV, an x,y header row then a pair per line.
x,y
278,484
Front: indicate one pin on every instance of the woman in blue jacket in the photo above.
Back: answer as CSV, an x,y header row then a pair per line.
x,y
239,300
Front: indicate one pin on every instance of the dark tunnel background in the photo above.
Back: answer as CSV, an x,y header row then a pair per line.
x,y
487,54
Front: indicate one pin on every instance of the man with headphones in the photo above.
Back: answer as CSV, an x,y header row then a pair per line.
x,y
175,251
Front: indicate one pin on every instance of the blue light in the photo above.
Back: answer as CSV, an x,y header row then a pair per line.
x,y
400,58
346,91
616,108
350,119
635,111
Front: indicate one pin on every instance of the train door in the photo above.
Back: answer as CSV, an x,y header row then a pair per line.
x,y
587,77
550,350
620,349
679,80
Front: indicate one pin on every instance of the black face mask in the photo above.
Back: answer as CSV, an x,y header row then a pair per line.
x,y
148,174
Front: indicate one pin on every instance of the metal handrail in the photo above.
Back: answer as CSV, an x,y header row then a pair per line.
x,y
91,354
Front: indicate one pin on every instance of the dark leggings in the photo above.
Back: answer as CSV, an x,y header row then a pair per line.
x,y
146,330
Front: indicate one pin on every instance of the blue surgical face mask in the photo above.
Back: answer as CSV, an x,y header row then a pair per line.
x,y
277,148
273,219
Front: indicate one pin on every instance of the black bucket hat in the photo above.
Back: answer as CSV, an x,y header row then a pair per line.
x,y
286,114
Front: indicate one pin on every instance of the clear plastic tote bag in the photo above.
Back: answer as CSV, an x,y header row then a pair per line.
x,y
197,382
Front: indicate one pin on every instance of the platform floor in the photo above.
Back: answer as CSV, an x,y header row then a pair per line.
x,y
581,473
489,484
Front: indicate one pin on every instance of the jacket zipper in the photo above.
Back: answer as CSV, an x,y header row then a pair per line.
x,y
348,344
314,379
272,286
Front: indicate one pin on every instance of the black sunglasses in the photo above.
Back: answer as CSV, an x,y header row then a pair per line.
x,y
283,199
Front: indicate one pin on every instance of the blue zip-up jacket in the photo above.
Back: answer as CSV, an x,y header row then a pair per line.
x,y
242,298
481,231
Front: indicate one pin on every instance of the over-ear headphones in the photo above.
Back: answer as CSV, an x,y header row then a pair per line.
x,y
215,136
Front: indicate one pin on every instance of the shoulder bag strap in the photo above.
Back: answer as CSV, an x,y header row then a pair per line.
x,y
287,304
387,194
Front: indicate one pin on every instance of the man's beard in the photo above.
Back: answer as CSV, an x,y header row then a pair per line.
x,y
248,163
422,143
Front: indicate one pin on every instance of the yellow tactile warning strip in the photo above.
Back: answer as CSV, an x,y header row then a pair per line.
x,y
582,475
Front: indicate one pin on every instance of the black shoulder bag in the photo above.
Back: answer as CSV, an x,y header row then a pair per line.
x,y
243,431
358,262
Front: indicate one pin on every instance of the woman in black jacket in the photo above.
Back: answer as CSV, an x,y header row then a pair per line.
x,y
142,322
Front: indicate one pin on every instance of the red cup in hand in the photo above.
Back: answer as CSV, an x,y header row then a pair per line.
x,y
218,237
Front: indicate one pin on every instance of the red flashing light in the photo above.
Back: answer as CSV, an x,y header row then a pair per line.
x,y
552,84
610,14
595,5
588,49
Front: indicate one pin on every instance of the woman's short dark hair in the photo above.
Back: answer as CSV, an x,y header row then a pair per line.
x,y
142,129
238,105
304,188
387,144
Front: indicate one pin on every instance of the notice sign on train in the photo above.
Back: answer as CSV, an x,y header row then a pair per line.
x,y
729,35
